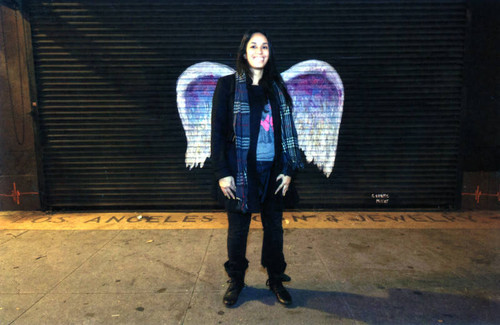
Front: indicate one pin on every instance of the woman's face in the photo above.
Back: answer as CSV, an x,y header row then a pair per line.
x,y
257,53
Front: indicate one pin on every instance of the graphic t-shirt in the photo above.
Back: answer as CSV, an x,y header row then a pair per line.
x,y
265,142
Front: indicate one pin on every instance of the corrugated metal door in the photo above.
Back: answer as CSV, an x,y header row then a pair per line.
x,y
111,133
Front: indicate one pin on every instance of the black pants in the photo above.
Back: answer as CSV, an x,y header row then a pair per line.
x,y
272,247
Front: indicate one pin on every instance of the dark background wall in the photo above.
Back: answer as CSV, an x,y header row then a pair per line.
x,y
481,123
110,131
480,141
481,131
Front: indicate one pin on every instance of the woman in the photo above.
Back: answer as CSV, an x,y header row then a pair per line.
x,y
254,154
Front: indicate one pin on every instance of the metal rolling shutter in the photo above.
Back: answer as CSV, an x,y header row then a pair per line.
x,y
111,135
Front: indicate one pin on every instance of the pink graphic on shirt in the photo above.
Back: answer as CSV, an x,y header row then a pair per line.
x,y
267,123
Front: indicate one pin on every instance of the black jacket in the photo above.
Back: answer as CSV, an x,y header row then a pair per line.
x,y
223,148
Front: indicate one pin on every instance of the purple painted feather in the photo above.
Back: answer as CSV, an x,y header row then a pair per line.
x,y
318,96
195,88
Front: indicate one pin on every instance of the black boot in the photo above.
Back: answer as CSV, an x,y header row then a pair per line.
x,y
285,277
275,285
233,291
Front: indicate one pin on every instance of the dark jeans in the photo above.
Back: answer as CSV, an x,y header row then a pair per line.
x,y
272,247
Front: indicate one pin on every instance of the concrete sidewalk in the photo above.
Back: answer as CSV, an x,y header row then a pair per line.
x,y
175,276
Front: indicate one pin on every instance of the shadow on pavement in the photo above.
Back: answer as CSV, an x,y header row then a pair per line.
x,y
399,306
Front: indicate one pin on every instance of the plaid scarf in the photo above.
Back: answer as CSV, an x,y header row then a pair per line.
x,y
241,124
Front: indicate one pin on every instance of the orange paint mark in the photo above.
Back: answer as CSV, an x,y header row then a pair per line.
x,y
478,193
16,195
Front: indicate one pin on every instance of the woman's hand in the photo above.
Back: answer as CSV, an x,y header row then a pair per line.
x,y
285,183
228,187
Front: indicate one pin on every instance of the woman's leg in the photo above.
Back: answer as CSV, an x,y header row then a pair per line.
x,y
237,235
271,216
237,263
272,247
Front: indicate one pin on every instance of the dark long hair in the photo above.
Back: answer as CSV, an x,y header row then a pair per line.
x,y
270,74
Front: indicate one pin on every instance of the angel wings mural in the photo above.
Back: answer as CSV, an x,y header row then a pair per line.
x,y
318,97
